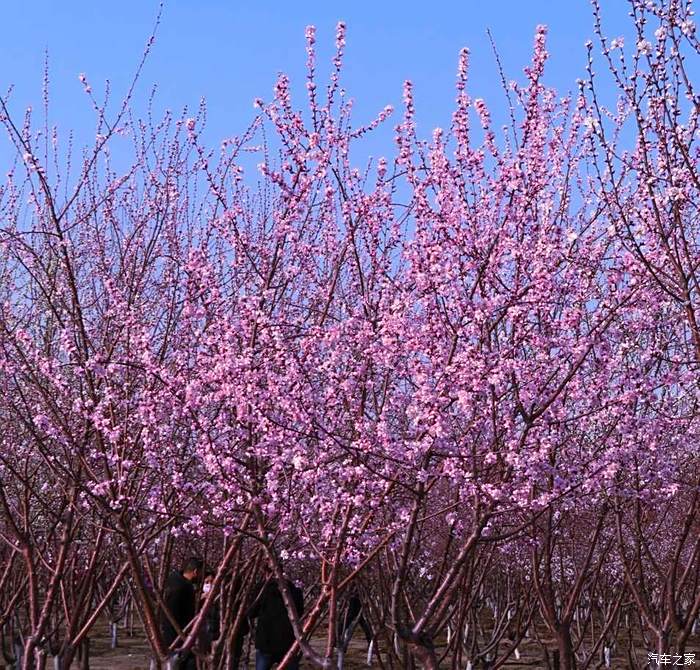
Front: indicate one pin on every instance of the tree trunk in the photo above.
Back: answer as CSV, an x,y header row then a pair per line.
x,y
31,656
424,655
39,659
85,655
68,654
18,652
114,639
662,640
567,659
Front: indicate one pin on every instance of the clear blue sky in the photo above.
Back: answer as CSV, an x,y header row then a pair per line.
x,y
229,51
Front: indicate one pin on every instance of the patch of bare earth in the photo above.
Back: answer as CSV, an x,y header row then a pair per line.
x,y
133,654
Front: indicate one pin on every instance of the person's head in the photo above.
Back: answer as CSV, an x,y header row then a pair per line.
x,y
192,570
208,581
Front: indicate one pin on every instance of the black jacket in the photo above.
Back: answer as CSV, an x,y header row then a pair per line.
x,y
212,627
212,624
273,632
179,599
351,616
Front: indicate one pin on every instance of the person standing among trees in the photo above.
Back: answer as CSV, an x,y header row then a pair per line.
x,y
179,599
273,632
212,625
350,618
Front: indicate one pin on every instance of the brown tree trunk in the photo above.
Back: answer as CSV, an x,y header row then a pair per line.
x,y
567,659
424,655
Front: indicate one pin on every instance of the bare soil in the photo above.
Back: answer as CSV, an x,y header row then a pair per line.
x,y
133,654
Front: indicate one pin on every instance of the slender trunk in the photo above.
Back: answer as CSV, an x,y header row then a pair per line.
x,y
567,658
67,656
662,640
85,654
27,655
424,655
18,649
39,659
555,660
173,663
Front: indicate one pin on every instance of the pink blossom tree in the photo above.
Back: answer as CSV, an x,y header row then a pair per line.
x,y
459,381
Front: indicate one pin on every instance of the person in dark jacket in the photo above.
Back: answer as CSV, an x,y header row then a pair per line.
x,y
179,598
273,632
212,625
350,618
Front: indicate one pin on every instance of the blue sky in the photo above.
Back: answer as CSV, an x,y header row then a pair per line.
x,y
229,52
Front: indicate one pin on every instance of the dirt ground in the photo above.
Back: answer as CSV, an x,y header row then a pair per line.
x,y
133,654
